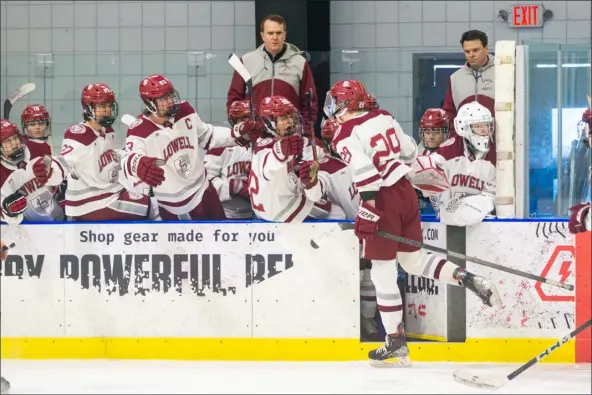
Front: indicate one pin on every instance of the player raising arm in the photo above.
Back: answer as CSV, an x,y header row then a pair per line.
x,y
374,147
170,134
228,169
27,178
283,182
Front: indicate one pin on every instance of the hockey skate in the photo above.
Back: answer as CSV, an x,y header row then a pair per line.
x,y
4,386
480,286
394,353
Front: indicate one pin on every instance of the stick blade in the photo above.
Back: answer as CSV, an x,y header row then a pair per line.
x,y
128,119
471,380
239,67
21,92
346,225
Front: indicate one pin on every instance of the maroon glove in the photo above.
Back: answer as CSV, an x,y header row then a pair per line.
x,y
249,129
308,172
578,217
366,223
14,204
149,172
289,146
42,169
238,187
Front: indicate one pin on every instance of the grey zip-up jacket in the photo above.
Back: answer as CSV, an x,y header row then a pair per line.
x,y
289,76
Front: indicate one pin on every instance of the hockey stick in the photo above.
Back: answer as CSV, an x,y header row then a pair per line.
x,y
313,144
240,68
479,261
494,383
129,120
6,248
17,95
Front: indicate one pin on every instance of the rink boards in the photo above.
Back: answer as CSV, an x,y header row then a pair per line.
x,y
262,292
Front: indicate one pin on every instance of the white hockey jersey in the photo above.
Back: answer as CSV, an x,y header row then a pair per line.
x,y
340,190
93,164
472,185
182,145
223,165
276,191
375,148
41,204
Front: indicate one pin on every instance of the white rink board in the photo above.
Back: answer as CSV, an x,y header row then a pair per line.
x,y
426,299
526,246
72,297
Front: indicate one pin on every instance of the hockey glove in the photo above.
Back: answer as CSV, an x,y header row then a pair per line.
x,y
308,172
43,170
15,204
577,221
366,223
249,130
148,171
238,187
288,146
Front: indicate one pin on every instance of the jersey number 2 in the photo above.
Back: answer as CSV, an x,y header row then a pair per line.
x,y
253,191
385,147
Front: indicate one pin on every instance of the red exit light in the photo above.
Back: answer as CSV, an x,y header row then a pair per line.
x,y
527,15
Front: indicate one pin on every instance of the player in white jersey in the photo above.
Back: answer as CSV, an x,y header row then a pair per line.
x,y
581,214
88,152
374,146
342,193
228,169
171,133
467,164
283,183
28,176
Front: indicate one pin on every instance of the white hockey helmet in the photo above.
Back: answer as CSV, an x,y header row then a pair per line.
x,y
475,123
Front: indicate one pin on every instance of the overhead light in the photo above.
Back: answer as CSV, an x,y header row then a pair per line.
x,y
567,65
447,66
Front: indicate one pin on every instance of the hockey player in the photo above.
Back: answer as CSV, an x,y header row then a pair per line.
x,y
342,193
434,128
581,214
463,159
169,132
283,183
27,178
89,153
228,169
36,124
373,145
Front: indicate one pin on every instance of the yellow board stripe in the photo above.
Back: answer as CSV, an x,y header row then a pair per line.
x,y
208,349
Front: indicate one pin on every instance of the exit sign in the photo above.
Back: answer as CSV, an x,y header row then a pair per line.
x,y
526,15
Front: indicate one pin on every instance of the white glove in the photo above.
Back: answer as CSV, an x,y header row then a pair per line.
x,y
429,176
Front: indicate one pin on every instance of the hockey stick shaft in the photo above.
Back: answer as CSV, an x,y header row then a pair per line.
x,y
240,68
549,350
311,125
479,261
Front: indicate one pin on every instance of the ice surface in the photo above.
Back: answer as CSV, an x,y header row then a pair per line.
x,y
177,377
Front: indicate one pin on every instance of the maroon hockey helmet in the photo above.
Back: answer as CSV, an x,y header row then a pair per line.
x,y
281,117
35,115
98,104
434,120
159,96
239,111
347,95
12,140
